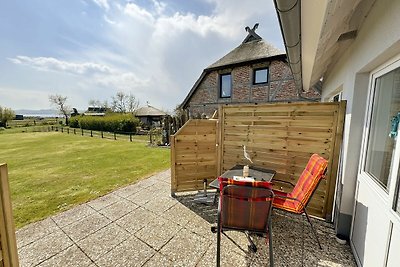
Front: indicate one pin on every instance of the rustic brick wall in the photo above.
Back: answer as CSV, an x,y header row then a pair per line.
x,y
280,87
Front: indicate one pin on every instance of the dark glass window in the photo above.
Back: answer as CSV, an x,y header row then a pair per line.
x,y
225,85
260,76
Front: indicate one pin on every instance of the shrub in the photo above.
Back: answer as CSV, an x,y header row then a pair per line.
x,y
108,123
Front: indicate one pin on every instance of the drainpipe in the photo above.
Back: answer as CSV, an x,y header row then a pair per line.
x,y
289,16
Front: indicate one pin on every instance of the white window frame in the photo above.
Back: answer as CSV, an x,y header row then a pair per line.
x,y
387,196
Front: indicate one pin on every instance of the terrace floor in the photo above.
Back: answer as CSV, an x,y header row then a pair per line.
x,y
142,225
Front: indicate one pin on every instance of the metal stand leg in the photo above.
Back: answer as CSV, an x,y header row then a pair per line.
x,y
312,228
219,230
271,254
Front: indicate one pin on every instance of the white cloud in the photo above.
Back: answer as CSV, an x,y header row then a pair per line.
x,y
139,13
102,3
53,64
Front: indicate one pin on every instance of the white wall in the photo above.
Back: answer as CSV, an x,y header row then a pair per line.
x,y
377,42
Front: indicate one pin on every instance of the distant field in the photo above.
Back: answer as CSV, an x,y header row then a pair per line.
x,y
51,172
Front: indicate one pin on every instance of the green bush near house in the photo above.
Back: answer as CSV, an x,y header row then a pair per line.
x,y
108,123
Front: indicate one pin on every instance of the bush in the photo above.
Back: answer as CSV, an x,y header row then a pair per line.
x,y
108,123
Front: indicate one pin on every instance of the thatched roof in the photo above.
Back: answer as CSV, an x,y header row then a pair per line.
x,y
149,111
245,52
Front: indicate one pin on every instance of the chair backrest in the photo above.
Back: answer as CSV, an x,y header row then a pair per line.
x,y
246,207
309,180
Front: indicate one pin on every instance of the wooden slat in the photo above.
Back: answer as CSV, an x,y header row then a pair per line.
x,y
7,228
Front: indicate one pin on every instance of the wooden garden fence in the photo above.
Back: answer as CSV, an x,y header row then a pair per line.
x,y
8,246
193,155
280,136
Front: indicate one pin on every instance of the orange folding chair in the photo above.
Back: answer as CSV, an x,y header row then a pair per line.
x,y
296,201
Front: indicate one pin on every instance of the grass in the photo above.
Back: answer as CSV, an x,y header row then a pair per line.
x,y
52,172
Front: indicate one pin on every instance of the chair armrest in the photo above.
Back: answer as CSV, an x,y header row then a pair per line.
x,y
291,198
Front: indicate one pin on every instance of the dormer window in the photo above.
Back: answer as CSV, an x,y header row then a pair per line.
x,y
260,76
225,85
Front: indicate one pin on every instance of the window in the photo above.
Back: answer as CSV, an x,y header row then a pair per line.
x,y
260,76
225,85
386,105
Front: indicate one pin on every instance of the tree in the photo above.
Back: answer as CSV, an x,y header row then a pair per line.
x,y
59,102
123,103
6,114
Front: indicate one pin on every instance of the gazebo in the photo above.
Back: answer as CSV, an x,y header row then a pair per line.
x,y
150,116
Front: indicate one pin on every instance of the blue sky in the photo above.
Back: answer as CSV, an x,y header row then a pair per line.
x,y
91,49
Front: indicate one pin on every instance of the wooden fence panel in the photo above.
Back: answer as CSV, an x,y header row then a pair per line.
x,y
193,155
282,137
8,246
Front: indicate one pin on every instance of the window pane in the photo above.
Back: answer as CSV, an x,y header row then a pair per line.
x,y
261,76
380,146
226,85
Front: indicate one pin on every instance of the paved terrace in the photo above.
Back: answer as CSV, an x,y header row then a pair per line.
x,y
141,225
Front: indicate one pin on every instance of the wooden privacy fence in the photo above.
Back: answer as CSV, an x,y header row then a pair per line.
x,y
193,155
280,136
8,246
283,137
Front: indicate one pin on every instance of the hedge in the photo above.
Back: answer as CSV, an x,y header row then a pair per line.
x,y
108,123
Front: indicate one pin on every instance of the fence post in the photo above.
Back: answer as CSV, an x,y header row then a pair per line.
x,y
91,133
115,136
130,137
82,132
102,134
68,130
62,129
74,131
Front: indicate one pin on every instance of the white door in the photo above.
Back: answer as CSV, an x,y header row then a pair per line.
x,y
375,236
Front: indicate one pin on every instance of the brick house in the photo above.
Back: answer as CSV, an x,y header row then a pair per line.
x,y
253,72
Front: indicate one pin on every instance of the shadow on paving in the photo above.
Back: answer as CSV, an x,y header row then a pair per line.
x,y
293,242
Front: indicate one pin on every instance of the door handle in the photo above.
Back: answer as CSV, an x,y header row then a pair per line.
x,y
395,125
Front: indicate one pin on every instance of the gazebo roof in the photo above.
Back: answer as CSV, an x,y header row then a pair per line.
x,y
149,111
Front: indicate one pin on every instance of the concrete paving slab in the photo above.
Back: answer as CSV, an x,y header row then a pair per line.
x,y
104,201
118,209
136,220
132,252
73,215
157,233
44,248
35,231
186,248
72,256
86,226
102,241
158,260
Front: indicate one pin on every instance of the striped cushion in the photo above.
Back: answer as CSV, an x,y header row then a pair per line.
x,y
246,206
305,186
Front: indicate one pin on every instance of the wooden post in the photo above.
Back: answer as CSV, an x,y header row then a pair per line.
x,y
102,134
115,136
9,251
74,131
82,131
68,130
91,133
130,137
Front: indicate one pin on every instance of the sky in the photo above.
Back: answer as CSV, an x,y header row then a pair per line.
x,y
91,49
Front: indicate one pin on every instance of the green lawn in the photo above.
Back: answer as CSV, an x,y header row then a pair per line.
x,y
51,172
